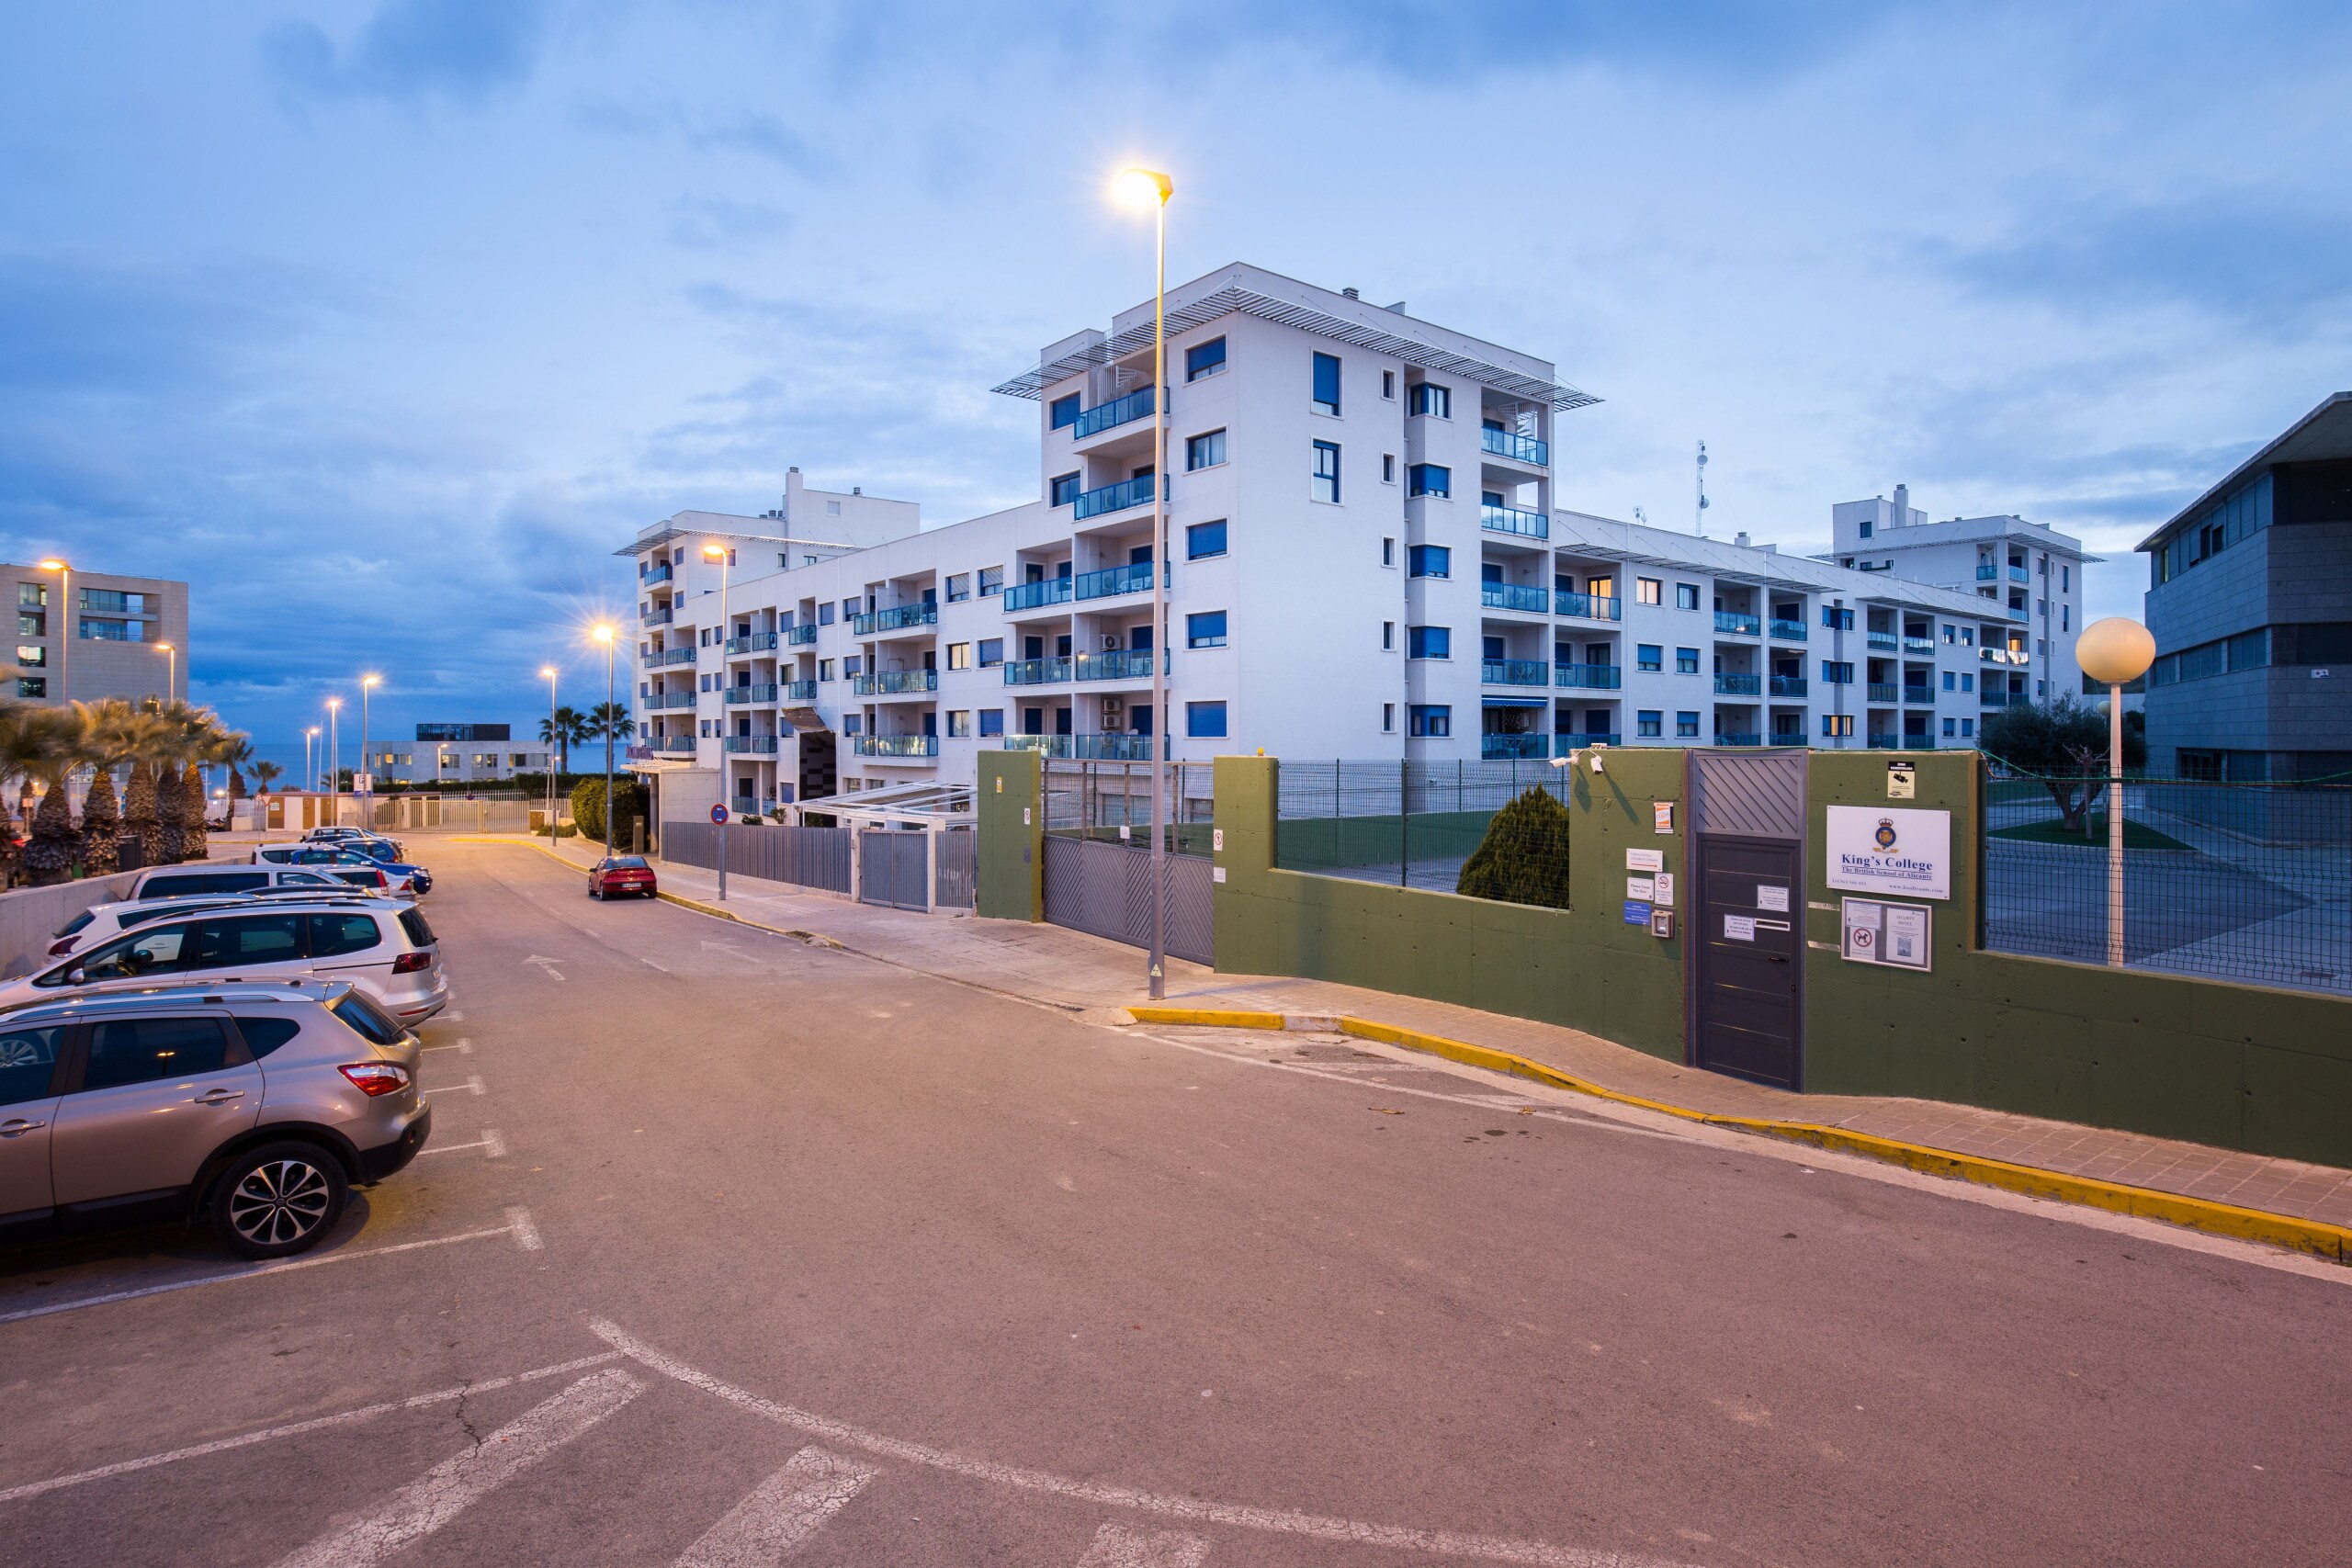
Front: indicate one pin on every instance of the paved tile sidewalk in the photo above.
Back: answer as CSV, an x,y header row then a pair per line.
x,y
1070,969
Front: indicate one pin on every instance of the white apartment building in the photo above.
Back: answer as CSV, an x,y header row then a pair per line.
x,y
458,756
1367,562
2034,572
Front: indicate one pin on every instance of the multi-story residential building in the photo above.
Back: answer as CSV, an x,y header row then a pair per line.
x,y
1366,561
121,637
458,754
2033,571
2250,601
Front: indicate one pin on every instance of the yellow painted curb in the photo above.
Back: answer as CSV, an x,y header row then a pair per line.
x,y
1209,1018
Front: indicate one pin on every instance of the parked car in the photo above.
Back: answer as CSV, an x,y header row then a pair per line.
x,y
175,882
381,946
255,1108
339,835
334,860
619,875
100,921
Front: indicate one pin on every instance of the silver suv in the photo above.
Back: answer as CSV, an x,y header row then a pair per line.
x,y
255,1105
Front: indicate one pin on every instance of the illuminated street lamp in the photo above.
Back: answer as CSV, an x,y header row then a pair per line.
x,y
549,671
171,669
334,761
367,684
603,631
2115,652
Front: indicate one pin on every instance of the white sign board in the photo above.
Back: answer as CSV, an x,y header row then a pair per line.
x,y
1896,935
1875,849
1773,899
1642,887
1645,860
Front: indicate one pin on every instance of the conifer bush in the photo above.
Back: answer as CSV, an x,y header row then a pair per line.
x,y
1524,857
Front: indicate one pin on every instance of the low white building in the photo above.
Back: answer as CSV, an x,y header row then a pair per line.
x,y
1367,562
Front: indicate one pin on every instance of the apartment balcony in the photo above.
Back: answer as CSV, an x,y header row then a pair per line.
x,y
661,700
895,683
1737,623
1036,672
1513,672
1517,448
1788,631
1500,747
1112,582
2002,655
1884,642
1514,520
650,575
1785,685
1111,416
1788,737
1524,597
1119,497
1919,696
896,618
1588,606
1588,677
1110,749
798,691
903,747
1879,741
802,637
670,745
1046,745
2019,574
659,617
1566,741
755,745
2019,613
1987,572
766,693
1992,699
757,642
1919,647
1738,737
1885,692
1740,685
1118,664
667,657
1036,595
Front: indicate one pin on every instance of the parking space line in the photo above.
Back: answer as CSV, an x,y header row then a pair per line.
x,y
1116,1546
471,1086
489,1141
525,1234
462,1047
296,1428
778,1519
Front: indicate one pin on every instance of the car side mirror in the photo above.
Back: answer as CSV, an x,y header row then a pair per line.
x,y
77,978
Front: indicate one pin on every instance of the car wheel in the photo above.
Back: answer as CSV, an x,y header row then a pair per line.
x,y
278,1199
591,890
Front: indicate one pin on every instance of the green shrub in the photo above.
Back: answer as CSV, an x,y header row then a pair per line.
x,y
588,806
1524,857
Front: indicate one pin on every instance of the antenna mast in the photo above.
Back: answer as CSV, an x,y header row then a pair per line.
x,y
1699,516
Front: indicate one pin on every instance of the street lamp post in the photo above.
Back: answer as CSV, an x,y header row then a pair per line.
x,y
335,762
1139,186
64,625
2114,652
367,684
171,669
549,671
603,631
722,555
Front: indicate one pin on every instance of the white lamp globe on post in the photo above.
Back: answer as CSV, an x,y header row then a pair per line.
x,y
2115,652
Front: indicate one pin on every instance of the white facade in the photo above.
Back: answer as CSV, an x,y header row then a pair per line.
x,y
2034,572
1366,560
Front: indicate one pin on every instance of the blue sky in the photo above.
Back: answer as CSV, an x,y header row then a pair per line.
x,y
383,322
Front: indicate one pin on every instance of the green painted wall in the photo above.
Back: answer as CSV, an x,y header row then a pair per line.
x,y
1582,966
1013,832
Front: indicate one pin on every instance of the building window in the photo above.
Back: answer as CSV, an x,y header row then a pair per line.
x,y
32,595
1388,710
1204,629
1967,634
32,623
115,602
1388,552
825,614
1429,642
1326,383
1327,473
1388,467
1686,596
1649,722
1204,359
1834,672
1968,729
32,685
959,724
1968,682
852,724
1686,724
1062,490
1648,589
1065,411
2066,618
1428,398
959,656
991,652
1835,723
1205,451
849,608
1388,391
1952,726
94,629
32,655
991,581
1649,656
1838,618
1952,681
1866,527
1428,560
824,669
1203,540
1429,720
1429,479
1387,637
855,665
959,587
991,722
1686,661
1205,721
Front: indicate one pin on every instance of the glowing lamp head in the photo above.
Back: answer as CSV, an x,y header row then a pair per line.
x,y
713,552
335,705
1142,189
2115,651
163,648
548,671
368,681
52,565
600,632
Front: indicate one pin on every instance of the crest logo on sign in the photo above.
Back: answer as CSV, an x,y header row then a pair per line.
x,y
1885,834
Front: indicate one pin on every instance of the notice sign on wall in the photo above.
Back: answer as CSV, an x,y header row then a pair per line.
x,y
1892,934
1890,849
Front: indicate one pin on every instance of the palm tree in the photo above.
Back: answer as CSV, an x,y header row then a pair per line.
x,y
217,743
142,808
182,733
47,748
238,750
113,731
565,727
29,736
612,721
265,774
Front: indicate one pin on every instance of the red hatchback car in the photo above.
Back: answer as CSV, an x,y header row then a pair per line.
x,y
620,875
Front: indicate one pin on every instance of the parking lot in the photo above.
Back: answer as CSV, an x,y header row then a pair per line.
x,y
727,1247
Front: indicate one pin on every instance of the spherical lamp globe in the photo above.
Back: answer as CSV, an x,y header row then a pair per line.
x,y
2115,651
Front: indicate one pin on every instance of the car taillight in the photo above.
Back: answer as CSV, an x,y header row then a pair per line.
x,y
413,963
374,1078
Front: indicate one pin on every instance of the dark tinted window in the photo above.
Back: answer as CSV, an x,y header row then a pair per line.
x,y
263,1035
334,934
76,923
128,957
419,933
626,862
303,879
244,939
26,1056
141,1050
361,878
365,1019
204,881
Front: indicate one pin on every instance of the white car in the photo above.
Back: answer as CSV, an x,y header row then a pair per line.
x,y
100,921
181,881
381,946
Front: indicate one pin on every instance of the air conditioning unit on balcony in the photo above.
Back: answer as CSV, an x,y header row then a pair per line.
x,y
1114,710
1110,642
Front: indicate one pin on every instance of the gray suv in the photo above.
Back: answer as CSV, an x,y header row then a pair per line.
x,y
253,1105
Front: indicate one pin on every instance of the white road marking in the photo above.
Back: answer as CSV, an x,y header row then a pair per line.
x,y
650,964
1116,1546
296,1428
471,1086
526,1234
453,1017
528,1239
1280,1521
495,1145
444,1491
546,966
775,1520
462,1047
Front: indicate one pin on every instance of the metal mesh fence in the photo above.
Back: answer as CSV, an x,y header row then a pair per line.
x,y
1112,800
1408,823
2246,881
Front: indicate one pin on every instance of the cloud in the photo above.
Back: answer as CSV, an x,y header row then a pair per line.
x,y
764,136
461,49
714,223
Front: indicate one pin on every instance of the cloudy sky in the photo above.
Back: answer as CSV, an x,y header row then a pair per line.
x,y
383,322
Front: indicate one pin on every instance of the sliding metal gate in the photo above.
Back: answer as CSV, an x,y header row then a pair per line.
x,y
1103,887
894,869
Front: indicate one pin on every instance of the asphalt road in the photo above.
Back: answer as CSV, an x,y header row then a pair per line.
x,y
733,1250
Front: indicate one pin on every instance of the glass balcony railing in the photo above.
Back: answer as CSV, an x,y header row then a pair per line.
x,y
1518,448
1992,699
1884,743
1788,737
1788,631
1919,696
1740,685
1046,590
1566,741
650,575
1786,686
799,690
1497,746
894,618
1112,749
1924,646
757,642
894,682
1118,664
1049,745
668,656
1113,580
802,637
755,744
1514,520
1882,692
1514,596
766,693
1738,737
1512,673
895,745
1112,414
671,744
2018,573
1591,606
1886,640
1588,677
661,700
1987,572
1737,623
1036,672
2002,655
1101,502
659,617
2017,613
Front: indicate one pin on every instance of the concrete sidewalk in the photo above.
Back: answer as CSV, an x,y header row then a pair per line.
x,y
1069,969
